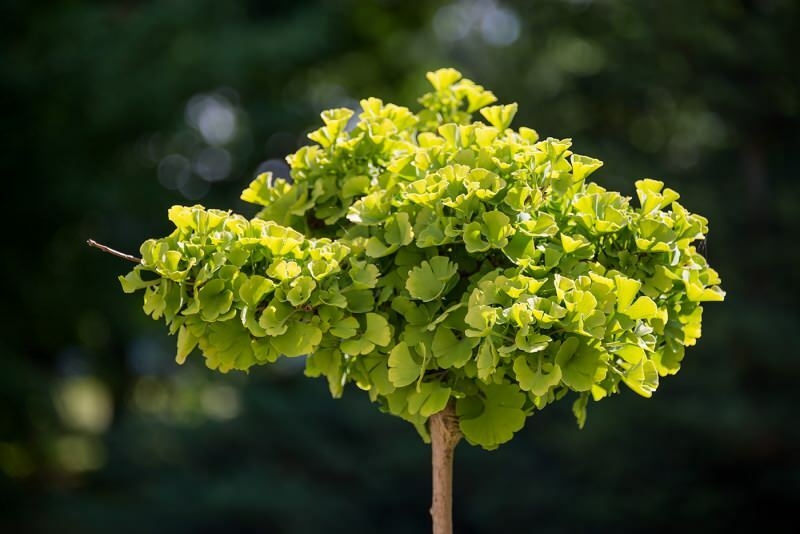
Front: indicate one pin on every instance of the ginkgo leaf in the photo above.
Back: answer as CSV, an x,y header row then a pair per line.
x,y
364,275
530,341
360,301
642,378
539,380
132,281
186,344
355,185
258,192
473,238
579,409
378,330
500,116
298,339
581,365
643,308
450,351
428,280
357,345
215,299
428,398
481,319
301,289
493,418
487,360
571,243
226,347
398,230
544,225
632,354
626,291
583,166
345,328
263,351
443,78
404,369
254,289
497,228
250,321
284,270
377,372
273,318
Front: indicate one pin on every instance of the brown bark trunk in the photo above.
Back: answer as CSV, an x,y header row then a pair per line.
x,y
445,435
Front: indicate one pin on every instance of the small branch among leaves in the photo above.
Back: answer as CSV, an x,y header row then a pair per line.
x,y
95,244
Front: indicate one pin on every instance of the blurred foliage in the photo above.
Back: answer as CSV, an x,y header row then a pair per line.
x,y
116,110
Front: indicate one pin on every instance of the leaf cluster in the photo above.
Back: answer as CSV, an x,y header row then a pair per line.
x,y
428,257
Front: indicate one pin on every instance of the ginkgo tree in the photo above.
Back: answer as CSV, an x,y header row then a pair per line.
x,y
463,273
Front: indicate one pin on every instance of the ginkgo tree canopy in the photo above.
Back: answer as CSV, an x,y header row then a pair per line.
x,y
429,257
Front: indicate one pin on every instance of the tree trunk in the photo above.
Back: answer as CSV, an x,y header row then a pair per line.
x,y
445,435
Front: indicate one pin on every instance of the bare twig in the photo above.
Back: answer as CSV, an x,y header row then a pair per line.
x,y
95,244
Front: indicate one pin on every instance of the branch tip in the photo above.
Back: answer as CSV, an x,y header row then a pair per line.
x,y
109,250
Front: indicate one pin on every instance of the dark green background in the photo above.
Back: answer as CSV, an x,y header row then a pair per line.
x,y
94,94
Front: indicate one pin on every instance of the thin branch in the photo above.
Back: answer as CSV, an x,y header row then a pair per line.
x,y
95,244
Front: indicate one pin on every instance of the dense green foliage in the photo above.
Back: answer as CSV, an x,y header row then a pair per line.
x,y
424,257
700,94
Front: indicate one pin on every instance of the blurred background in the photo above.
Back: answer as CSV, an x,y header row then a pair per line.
x,y
113,111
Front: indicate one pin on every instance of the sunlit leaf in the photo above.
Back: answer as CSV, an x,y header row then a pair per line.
x,y
404,369
493,418
428,280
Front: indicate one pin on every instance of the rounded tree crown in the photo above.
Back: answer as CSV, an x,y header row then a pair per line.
x,y
431,258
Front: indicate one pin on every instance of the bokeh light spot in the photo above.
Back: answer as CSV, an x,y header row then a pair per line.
x,y
452,23
213,164
487,20
150,396
500,26
194,188
220,402
84,403
213,116
80,453
174,171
